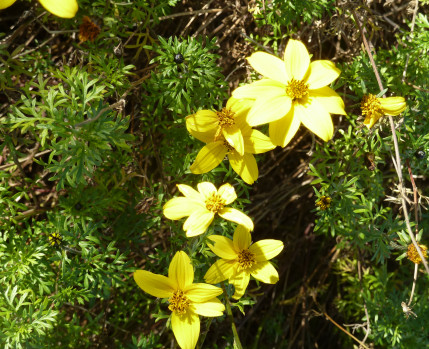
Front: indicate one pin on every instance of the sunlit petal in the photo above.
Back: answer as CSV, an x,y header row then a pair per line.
x,y
211,308
186,329
220,271
266,249
245,166
227,193
315,118
392,105
200,293
256,142
180,207
64,8
222,247
283,130
265,272
6,3
322,73
260,89
329,99
206,189
233,215
241,238
234,137
297,60
269,109
240,282
203,125
198,222
269,66
189,192
156,285
209,157
181,271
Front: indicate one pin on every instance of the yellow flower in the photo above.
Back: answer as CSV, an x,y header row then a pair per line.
x,y
187,300
205,125
240,259
413,255
60,8
374,108
294,91
324,202
202,205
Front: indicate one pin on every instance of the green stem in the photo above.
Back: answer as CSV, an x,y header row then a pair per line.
x,y
204,334
231,318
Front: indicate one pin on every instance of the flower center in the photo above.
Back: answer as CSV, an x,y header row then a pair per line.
x,y
178,302
324,202
226,117
296,89
246,259
215,203
413,255
370,105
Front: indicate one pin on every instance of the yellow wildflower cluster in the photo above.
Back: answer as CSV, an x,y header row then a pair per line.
x,y
413,255
293,91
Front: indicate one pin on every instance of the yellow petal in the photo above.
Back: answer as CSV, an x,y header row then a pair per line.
x,y
265,272
203,125
6,3
322,73
269,66
269,109
315,118
209,157
242,238
370,120
239,106
234,137
392,105
156,285
233,215
186,329
221,270
297,60
181,271
283,130
206,189
199,293
222,247
245,166
180,207
189,192
259,89
266,249
211,308
329,99
64,8
198,222
240,282
255,142
227,193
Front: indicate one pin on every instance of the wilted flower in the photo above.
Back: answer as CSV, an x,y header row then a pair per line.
x,y
324,202
374,108
88,30
187,300
413,254
293,91
241,258
201,206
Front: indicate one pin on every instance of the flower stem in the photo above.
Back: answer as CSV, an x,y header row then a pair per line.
x,y
231,318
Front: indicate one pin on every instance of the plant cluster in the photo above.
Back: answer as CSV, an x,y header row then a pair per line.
x,y
106,116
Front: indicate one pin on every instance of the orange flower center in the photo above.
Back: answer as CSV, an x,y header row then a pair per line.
x,y
246,259
226,117
413,254
215,203
296,89
370,106
178,302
